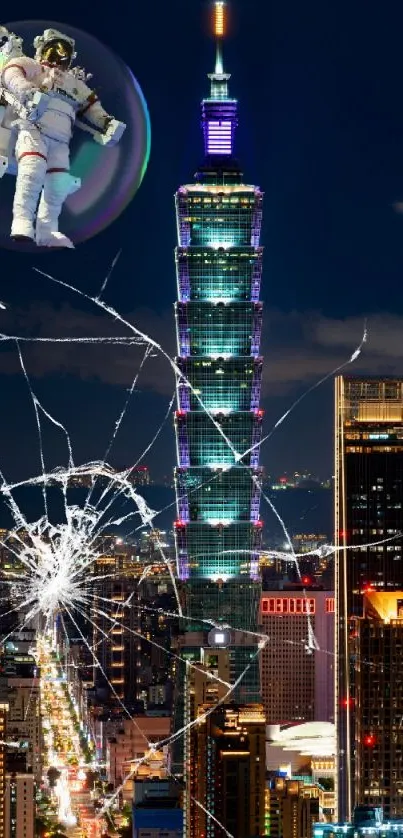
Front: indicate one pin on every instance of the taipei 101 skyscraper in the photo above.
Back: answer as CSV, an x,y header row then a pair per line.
x,y
218,420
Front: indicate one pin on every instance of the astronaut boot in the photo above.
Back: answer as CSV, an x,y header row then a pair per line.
x,y
22,229
57,186
51,238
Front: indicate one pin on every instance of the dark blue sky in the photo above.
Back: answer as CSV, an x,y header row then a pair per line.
x,y
321,132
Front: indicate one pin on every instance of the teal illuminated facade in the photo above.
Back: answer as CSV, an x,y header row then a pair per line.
x,y
218,418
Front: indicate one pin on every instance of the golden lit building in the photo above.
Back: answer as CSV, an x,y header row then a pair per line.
x,y
379,696
368,537
205,684
224,752
3,715
115,627
227,772
133,742
292,807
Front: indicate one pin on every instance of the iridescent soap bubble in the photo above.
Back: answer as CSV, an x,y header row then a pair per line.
x,y
110,176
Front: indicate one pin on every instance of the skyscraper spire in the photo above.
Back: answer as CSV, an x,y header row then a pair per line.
x,y
219,79
219,32
219,111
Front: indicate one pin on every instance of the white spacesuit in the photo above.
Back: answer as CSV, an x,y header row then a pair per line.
x,y
42,147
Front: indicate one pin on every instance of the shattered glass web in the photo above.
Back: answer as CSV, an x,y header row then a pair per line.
x,y
110,176
56,559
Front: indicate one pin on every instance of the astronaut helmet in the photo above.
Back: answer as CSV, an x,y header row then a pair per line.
x,y
54,49
10,44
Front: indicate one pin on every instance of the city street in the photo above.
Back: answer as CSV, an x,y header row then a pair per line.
x,y
65,768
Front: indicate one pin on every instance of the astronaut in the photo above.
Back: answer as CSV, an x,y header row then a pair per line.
x,y
42,147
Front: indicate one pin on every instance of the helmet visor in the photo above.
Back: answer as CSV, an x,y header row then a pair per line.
x,y
57,52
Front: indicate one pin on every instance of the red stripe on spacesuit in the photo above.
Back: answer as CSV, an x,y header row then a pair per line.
x,y
51,171
9,66
31,154
90,101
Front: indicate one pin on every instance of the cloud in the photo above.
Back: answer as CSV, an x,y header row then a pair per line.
x,y
111,364
303,347
384,334
299,347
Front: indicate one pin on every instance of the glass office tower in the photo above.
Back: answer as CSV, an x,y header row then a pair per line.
x,y
369,544
218,419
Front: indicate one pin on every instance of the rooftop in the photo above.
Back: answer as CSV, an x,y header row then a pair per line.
x,y
309,738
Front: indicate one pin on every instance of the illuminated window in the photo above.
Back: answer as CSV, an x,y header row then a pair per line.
x,y
288,605
330,605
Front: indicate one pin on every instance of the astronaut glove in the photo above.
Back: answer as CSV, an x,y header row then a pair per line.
x,y
112,134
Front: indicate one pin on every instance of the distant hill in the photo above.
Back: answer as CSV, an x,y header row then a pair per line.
x,y
304,510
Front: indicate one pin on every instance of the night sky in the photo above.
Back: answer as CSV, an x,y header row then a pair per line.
x,y
321,131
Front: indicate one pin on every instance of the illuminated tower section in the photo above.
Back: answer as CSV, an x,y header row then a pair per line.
x,y
218,318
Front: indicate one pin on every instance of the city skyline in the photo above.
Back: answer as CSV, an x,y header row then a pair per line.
x,y
322,280
234,681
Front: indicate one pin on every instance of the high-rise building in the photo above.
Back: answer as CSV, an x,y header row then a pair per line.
x,y
132,741
292,808
156,810
379,696
19,800
227,772
367,820
115,632
20,688
219,420
3,728
131,635
205,687
297,681
156,599
368,527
